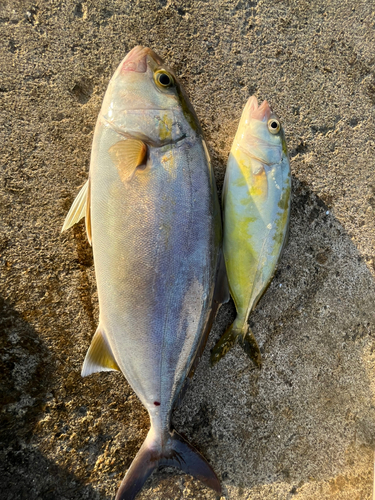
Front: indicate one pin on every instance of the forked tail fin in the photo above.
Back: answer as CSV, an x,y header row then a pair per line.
x,y
175,452
240,332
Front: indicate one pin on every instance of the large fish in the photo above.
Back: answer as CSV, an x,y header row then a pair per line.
x,y
153,216
256,204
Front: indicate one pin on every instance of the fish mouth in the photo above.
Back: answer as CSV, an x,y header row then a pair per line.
x,y
136,60
256,112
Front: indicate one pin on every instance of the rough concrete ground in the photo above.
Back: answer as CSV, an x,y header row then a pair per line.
x,y
304,427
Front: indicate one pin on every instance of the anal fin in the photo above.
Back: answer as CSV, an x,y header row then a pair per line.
x,y
99,357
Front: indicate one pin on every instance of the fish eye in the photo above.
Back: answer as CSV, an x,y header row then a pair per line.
x,y
163,79
273,126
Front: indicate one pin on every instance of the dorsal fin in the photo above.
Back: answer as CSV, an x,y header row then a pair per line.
x,y
78,208
127,155
99,357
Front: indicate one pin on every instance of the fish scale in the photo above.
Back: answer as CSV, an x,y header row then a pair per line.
x,y
156,236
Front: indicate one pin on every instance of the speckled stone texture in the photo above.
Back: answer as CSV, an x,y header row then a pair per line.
x,y
303,428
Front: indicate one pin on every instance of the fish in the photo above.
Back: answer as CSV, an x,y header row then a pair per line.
x,y
256,212
153,218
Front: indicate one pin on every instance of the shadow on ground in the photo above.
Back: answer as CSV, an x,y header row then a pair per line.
x,y
27,373
307,420
308,416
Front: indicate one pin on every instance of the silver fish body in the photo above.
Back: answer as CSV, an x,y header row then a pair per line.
x,y
155,228
155,265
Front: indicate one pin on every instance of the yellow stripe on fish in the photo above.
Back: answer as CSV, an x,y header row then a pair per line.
x,y
256,202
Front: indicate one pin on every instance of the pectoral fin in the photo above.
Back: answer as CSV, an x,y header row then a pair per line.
x,y
259,186
99,357
127,155
78,208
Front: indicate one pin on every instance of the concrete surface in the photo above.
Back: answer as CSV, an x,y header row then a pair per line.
x,y
302,428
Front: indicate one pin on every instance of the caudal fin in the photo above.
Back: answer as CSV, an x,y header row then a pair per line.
x,y
144,464
176,452
241,333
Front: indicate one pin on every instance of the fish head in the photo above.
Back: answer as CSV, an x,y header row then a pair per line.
x,y
260,133
145,100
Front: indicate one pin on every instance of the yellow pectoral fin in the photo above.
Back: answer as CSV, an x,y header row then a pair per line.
x,y
127,155
259,187
99,357
78,208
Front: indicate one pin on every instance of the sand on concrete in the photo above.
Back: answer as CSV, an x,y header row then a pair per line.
x,y
304,426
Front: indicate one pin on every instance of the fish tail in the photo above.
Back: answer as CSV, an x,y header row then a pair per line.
x,y
144,464
239,331
176,452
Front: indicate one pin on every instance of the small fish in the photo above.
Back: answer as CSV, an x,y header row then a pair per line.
x,y
256,204
153,217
